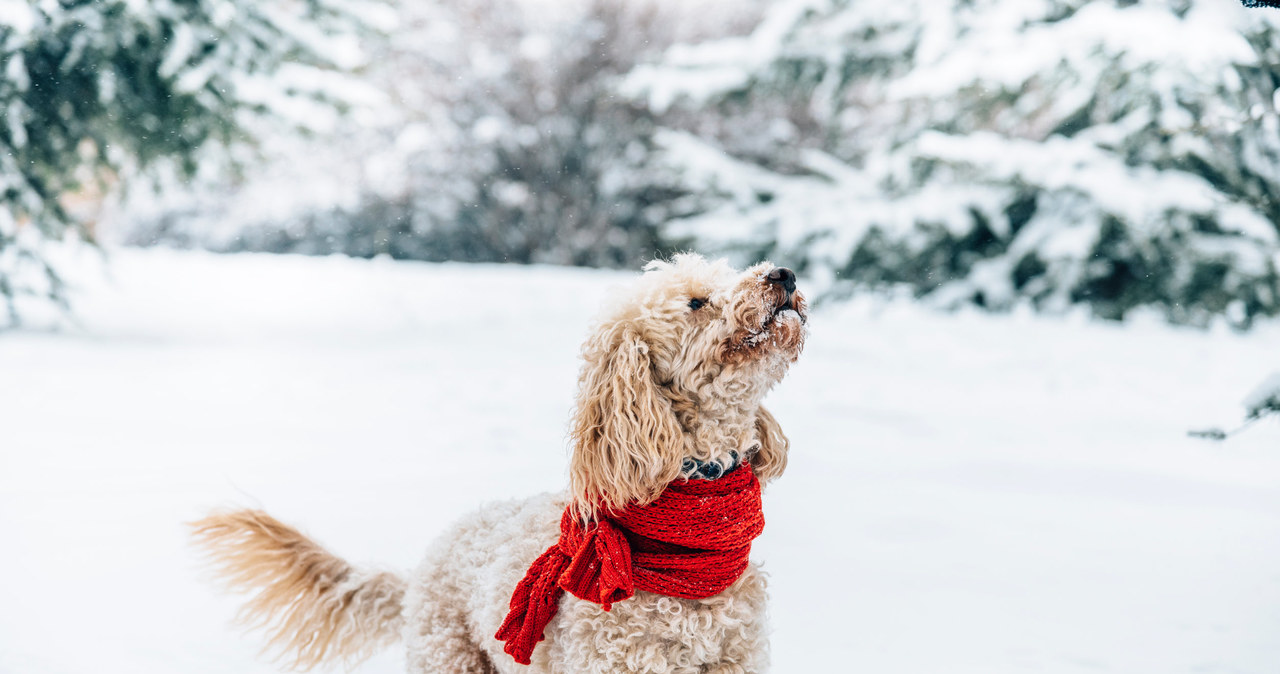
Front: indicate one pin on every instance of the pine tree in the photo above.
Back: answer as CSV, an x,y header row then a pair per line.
x,y
1111,153
95,91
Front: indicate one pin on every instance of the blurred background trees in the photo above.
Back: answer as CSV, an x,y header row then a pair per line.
x,y
1110,154
1115,154
94,92
496,135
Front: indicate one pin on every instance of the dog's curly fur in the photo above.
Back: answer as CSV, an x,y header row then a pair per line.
x,y
676,371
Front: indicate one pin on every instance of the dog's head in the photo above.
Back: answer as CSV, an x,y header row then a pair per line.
x,y
677,370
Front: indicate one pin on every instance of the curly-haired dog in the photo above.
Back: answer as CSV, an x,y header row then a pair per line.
x,y
670,390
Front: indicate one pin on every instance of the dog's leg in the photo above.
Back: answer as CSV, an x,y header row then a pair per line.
x,y
461,592
746,650
746,653
437,637
313,605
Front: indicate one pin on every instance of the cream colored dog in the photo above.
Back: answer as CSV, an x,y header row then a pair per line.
x,y
671,384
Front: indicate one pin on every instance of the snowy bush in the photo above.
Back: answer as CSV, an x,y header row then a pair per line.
x,y
94,92
1110,153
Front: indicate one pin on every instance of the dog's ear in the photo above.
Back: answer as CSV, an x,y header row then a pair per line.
x,y
771,459
627,443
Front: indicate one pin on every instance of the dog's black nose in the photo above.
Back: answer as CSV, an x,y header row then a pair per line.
x,y
783,277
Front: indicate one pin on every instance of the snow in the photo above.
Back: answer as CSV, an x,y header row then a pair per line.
x,y
966,492
696,72
17,16
1138,195
181,48
995,51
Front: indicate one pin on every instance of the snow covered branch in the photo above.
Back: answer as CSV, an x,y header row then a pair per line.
x,y
95,92
1263,401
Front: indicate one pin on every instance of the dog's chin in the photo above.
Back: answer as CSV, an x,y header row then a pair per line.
x,y
789,309
789,315
779,337
784,319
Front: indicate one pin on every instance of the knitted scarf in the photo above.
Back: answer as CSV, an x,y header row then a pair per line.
x,y
692,542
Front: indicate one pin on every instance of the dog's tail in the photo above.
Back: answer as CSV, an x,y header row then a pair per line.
x,y
313,606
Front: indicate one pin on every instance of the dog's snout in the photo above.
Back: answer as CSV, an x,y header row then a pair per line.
x,y
783,277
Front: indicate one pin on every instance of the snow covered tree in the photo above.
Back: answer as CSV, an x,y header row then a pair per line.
x,y
531,158
95,91
1055,152
499,138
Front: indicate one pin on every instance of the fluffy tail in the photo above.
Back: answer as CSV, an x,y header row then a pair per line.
x,y
312,605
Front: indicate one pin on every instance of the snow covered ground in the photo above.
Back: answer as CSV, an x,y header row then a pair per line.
x,y
967,493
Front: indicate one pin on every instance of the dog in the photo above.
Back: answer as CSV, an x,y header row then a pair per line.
x,y
670,390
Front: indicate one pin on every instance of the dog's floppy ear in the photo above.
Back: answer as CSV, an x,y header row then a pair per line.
x,y
627,443
771,459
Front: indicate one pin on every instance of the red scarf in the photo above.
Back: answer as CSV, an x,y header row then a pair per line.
x,y
692,542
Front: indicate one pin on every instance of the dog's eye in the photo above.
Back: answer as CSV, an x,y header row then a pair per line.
x,y
696,303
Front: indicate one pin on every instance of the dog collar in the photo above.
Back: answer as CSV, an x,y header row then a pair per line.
x,y
708,470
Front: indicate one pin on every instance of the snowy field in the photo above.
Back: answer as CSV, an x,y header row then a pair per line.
x,y
967,493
